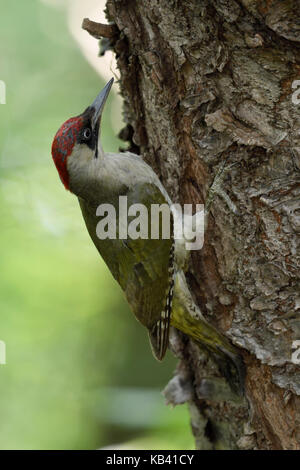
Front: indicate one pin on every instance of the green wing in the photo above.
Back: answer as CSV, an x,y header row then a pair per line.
x,y
142,267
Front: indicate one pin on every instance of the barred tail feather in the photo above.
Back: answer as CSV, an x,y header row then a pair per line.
x,y
159,335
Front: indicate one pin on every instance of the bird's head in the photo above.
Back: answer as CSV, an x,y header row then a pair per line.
x,y
76,143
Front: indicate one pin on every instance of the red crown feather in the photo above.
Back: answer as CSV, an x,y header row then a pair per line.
x,y
63,144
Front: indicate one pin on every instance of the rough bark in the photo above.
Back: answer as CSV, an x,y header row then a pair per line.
x,y
208,85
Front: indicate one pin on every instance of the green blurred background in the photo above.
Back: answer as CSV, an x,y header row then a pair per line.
x,y
79,372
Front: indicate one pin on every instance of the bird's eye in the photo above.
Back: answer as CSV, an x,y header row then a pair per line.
x,y
87,133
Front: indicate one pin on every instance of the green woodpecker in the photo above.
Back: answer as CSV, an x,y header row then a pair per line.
x,y
150,271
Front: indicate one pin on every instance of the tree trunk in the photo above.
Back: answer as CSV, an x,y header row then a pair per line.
x,y
211,87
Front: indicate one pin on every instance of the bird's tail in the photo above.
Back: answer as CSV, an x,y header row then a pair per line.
x,y
187,317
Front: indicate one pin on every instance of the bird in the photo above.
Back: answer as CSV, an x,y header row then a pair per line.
x,y
150,271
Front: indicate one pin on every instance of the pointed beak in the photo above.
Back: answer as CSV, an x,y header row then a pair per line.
x,y
99,103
